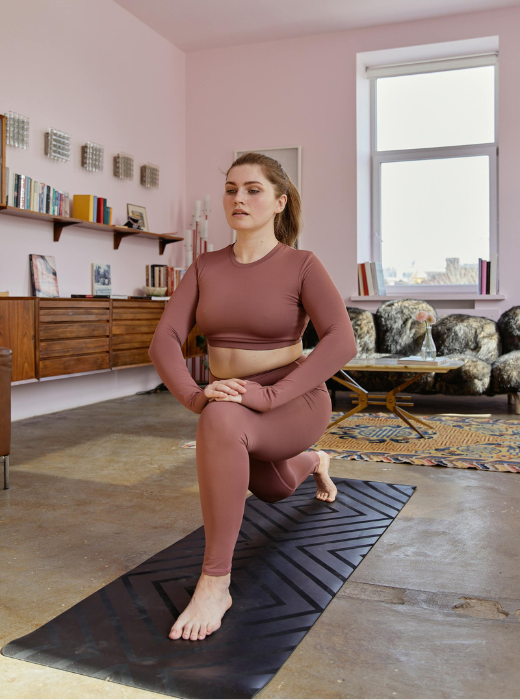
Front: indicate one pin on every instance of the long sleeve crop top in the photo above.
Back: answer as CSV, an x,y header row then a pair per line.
x,y
261,305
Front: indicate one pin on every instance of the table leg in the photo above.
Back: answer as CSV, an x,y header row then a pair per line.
x,y
391,401
362,396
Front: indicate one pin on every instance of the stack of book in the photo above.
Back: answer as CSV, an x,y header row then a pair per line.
x,y
164,276
417,359
88,207
371,280
488,275
25,193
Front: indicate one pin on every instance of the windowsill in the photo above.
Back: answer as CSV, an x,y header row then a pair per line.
x,y
433,296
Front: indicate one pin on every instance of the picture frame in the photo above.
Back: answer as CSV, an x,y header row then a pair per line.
x,y
3,141
139,213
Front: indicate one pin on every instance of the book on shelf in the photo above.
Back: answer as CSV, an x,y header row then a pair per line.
x,y
89,207
417,359
104,296
371,280
23,192
164,276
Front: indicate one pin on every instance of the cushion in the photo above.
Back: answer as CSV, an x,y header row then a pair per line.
x,y
364,328
397,330
505,373
509,326
470,335
472,379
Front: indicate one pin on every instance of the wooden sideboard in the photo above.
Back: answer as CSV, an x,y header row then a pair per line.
x,y
56,337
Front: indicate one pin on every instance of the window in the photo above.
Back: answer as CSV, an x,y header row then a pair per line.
x,y
434,171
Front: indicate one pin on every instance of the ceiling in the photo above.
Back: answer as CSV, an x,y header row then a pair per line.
x,y
193,25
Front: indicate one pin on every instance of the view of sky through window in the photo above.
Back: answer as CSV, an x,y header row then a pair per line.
x,y
435,211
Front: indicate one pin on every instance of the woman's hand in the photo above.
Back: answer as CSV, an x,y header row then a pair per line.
x,y
226,390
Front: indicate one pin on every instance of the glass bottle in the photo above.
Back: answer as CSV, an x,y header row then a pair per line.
x,y
428,350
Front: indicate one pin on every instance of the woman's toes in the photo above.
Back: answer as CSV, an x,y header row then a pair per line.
x,y
175,633
195,631
187,630
202,632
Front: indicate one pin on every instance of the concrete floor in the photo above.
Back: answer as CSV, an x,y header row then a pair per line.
x,y
433,611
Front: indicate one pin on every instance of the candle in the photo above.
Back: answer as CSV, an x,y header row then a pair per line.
x,y
187,240
206,204
210,246
205,229
197,208
189,258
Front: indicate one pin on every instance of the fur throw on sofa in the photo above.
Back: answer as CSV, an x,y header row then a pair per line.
x,y
397,329
509,325
469,335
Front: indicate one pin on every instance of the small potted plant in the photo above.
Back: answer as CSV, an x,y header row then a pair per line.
x,y
428,350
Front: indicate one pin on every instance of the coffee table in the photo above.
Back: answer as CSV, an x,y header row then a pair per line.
x,y
392,400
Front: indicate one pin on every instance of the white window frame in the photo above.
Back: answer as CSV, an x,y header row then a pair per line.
x,y
379,157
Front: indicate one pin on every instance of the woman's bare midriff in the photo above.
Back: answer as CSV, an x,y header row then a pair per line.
x,y
227,363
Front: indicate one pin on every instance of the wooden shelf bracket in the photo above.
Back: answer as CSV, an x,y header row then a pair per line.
x,y
58,228
163,242
119,235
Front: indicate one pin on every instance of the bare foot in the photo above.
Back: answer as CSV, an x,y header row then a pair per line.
x,y
326,488
205,610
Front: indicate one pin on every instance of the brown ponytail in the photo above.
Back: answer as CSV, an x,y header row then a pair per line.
x,y
287,223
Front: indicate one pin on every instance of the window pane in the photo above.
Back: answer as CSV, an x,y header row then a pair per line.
x,y
434,220
445,108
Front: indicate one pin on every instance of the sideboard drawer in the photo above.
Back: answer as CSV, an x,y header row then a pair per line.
x,y
131,341
74,315
71,365
125,358
77,346
49,331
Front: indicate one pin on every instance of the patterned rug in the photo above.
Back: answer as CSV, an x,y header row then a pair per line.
x,y
459,442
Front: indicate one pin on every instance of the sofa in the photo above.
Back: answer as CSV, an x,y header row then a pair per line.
x,y
490,350
5,410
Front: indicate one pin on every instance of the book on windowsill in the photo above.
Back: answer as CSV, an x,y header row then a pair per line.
x,y
371,280
417,359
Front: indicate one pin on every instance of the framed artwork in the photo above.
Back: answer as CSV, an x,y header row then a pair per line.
x,y
138,213
290,157
101,279
3,183
43,275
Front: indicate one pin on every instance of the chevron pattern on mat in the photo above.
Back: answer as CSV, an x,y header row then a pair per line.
x,y
291,558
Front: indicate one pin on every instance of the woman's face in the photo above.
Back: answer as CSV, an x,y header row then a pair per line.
x,y
247,189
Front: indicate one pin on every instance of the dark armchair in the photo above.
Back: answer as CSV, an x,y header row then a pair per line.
x,y
5,410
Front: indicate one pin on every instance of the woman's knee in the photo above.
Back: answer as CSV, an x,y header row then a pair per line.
x,y
221,419
271,495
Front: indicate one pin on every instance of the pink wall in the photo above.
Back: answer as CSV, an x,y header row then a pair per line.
x,y
91,69
303,92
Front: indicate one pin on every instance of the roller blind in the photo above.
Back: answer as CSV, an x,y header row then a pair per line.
x,y
411,68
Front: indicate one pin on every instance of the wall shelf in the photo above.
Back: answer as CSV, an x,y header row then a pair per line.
x,y
119,232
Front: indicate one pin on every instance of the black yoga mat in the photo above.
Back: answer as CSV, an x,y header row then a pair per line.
x,y
291,558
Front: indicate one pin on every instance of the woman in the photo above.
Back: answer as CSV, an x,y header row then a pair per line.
x,y
266,401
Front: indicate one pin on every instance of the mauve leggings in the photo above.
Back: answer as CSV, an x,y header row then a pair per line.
x,y
239,448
